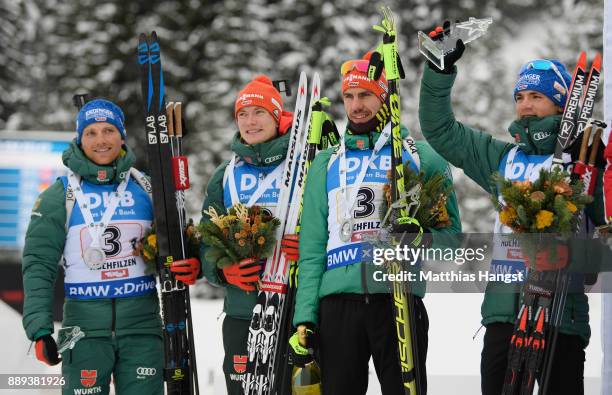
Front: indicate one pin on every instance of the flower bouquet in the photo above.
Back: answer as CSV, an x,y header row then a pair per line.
x,y
431,209
245,232
147,246
540,213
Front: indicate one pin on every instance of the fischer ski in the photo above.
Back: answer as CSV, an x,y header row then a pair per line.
x,y
588,102
163,131
403,307
570,113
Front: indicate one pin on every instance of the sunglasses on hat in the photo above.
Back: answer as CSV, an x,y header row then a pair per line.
x,y
358,64
544,65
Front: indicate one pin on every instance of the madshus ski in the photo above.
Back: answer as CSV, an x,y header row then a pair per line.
x,y
168,172
270,314
543,295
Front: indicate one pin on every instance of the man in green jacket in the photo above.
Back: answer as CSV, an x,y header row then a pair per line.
x,y
338,295
251,177
88,220
539,95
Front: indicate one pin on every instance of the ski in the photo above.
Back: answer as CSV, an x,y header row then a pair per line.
x,y
570,113
180,372
386,57
282,369
264,327
588,101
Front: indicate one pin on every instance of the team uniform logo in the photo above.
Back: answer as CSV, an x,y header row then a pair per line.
x,y
99,114
142,372
240,362
102,175
88,378
113,274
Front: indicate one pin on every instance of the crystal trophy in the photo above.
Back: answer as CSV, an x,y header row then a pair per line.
x,y
467,31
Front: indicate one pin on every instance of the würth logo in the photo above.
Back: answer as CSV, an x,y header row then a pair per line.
x,y
88,377
240,362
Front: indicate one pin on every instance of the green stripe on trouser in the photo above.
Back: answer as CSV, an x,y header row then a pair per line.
x,y
134,361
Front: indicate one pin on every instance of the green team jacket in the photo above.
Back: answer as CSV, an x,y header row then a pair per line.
x,y
44,247
238,303
314,281
479,155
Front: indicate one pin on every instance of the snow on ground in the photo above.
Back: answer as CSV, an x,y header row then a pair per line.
x,y
14,348
452,362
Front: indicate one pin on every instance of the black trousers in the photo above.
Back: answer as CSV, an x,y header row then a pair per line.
x,y
567,374
351,331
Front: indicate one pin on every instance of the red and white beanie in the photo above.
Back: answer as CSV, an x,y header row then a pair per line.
x,y
356,78
260,92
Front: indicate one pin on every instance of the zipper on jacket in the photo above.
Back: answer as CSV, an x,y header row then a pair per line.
x,y
113,309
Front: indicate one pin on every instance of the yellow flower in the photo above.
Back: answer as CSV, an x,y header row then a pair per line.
x,y
241,242
147,255
237,235
261,240
227,220
152,240
571,207
507,216
544,219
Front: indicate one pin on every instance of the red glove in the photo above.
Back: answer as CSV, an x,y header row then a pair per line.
x,y
290,247
243,274
46,350
543,261
186,270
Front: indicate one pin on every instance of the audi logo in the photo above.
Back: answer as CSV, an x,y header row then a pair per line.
x,y
146,371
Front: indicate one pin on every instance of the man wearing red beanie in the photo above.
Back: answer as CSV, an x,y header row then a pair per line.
x,y
251,177
338,297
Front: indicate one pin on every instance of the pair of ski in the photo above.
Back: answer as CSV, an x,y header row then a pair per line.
x,y
386,58
543,295
169,178
267,371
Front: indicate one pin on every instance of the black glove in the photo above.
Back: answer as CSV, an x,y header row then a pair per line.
x,y
452,56
302,354
46,350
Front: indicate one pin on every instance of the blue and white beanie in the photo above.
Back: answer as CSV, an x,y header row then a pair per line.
x,y
548,82
99,110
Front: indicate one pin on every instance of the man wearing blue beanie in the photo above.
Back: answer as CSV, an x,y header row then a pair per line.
x,y
100,110
540,95
88,220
